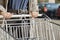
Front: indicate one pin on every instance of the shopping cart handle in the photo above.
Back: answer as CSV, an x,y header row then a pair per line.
x,y
23,15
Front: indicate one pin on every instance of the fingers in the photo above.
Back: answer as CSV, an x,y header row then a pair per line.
x,y
6,14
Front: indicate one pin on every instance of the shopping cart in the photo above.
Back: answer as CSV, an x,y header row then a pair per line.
x,y
24,27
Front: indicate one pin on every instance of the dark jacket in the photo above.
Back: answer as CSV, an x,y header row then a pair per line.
x,y
58,12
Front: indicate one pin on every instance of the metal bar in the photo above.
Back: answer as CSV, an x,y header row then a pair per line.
x,y
40,29
23,15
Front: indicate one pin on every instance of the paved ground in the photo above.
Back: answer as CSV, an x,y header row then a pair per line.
x,y
56,21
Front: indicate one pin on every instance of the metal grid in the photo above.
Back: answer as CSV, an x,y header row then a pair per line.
x,y
27,28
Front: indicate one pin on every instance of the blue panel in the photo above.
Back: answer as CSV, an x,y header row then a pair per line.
x,y
25,5
10,4
22,4
17,5
13,4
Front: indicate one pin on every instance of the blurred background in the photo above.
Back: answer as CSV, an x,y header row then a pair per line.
x,y
50,7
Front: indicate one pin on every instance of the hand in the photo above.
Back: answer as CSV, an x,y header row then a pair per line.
x,y
6,14
34,14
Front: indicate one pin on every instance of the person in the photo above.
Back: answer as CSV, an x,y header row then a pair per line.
x,y
45,9
58,12
33,13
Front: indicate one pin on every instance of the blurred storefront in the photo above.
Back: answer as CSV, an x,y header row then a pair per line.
x,y
50,1
57,1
